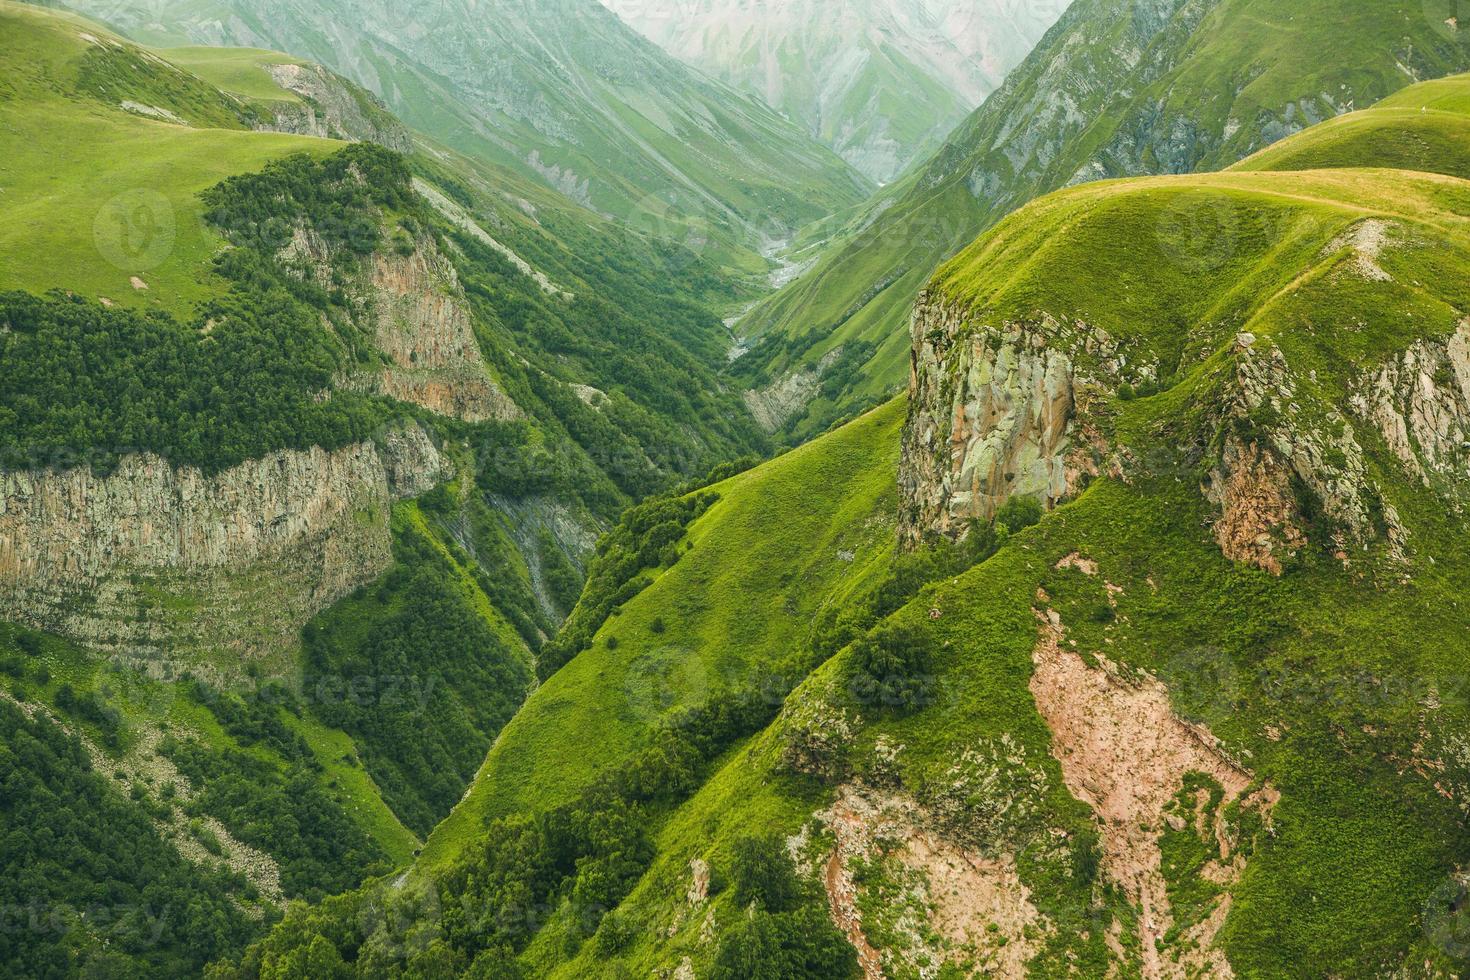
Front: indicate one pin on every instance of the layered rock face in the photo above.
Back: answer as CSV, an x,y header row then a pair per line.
x,y
993,414
165,565
421,321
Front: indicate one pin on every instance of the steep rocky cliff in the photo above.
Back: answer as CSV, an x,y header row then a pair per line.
x,y
168,565
994,413
1022,410
421,321
1420,403
165,565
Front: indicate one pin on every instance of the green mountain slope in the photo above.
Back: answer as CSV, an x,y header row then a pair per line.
x,y
325,434
724,625
1192,709
1114,89
562,93
1423,127
94,227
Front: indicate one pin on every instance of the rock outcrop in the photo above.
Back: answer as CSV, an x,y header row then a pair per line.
x,y
333,108
1124,752
1420,404
165,565
1259,518
412,305
422,322
997,412
1021,409
784,398
1294,438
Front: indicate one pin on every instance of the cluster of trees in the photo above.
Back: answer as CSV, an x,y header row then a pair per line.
x,y
523,458
787,934
339,197
283,810
435,682
87,885
634,330
892,669
646,538
91,707
253,721
86,384
563,580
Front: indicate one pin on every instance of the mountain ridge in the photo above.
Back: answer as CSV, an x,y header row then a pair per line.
x,y
1128,724
883,84
1114,89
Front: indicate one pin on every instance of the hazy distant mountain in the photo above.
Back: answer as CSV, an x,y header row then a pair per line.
x,y
558,89
880,81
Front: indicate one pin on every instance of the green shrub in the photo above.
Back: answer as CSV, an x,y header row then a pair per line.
x,y
800,945
1019,513
892,669
761,873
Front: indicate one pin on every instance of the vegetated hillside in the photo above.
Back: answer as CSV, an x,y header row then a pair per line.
x,y
1117,88
881,83
1424,127
303,447
560,92
1184,699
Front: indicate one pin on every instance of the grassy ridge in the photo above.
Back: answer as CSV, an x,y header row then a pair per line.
x,y
239,71
1425,127
95,196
